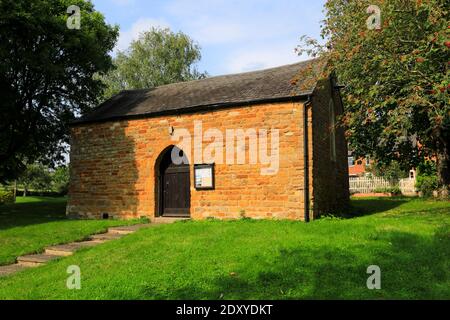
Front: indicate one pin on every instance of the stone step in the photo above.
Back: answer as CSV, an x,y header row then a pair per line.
x,y
128,229
168,220
68,249
10,269
106,236
35,260
63,250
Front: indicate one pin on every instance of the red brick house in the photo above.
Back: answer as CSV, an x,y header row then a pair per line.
x,y
357,166
122,154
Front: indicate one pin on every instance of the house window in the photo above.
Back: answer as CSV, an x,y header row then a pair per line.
x,y
351,161
332,131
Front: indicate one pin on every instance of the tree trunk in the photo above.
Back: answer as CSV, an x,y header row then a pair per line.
x,y
443,170
443,162
25,191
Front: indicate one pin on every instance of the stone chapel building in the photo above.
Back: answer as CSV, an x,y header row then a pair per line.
x,y
261,144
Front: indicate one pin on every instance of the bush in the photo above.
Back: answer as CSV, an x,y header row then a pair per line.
x,y
427,180
6,196
393,190
427,184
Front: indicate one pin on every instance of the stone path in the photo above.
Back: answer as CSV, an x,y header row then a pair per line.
x,y
63,250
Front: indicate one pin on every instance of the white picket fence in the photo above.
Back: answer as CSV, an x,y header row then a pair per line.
x,y
366,185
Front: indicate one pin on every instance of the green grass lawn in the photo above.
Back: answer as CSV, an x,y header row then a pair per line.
x,y
409,239
35,222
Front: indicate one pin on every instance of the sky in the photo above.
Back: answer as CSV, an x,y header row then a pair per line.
x,y
234,36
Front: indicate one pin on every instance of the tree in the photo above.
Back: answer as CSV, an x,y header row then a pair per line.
x,y
60,180
46,77
36,176
158,57
391,172
396,77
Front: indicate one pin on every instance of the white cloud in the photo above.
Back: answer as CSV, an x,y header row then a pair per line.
x,y
235,35
213,22
210,22
208,32
142,24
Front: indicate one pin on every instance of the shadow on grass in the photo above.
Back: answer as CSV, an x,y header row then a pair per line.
x,y
31,213
364,207
412,267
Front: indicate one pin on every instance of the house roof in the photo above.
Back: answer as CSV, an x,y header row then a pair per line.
x,y
275,84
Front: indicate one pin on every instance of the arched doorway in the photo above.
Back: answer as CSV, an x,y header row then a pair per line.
x,y
173,185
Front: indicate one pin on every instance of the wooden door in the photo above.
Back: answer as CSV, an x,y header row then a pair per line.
x,y
175,182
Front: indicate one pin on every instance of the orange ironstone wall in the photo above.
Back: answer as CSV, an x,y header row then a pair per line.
x,y
113,166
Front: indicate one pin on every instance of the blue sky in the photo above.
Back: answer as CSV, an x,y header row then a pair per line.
x,y
235,36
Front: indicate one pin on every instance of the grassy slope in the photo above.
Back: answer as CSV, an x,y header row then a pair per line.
x,y
408,239
35,222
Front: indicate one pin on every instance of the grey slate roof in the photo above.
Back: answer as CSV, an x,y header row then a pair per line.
x,y
237,89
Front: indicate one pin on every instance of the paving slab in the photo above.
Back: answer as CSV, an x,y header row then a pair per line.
x,y
128,229
70,248
10,269
35,260
63,250
106,236
167,220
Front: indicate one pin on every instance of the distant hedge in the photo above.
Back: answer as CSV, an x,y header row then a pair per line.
x,y
41,193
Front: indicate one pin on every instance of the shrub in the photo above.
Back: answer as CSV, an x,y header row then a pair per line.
x,y
427,180
393,190
427,184
6,196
